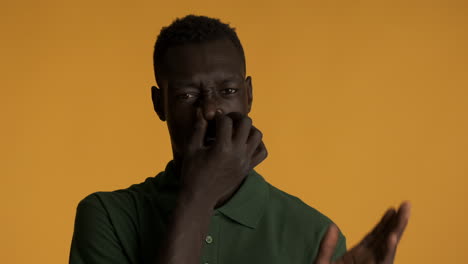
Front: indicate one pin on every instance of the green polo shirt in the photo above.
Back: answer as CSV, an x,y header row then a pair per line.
x,y
259,224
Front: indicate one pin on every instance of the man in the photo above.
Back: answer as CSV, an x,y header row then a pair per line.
x,y
209,205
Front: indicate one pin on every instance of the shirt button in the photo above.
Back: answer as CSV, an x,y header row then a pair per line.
x,y
209,239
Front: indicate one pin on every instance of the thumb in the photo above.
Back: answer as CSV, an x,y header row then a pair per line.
x,y
328,245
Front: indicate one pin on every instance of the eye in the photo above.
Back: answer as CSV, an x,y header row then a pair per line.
x,y
230,91
186,96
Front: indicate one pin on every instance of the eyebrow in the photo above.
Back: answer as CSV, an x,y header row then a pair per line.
x,y
191,83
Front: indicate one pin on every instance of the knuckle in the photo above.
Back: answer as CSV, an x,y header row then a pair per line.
x,y
265,153
258,134
225,121
247,120
262,155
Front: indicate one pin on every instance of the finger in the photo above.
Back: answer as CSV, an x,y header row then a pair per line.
x,y
403,216
379,229
243,130
199,130
236,120
328,245
395,227
255,137
259,155
391,245
223,130
235,116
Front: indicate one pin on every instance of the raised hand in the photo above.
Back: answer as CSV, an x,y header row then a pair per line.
x,y
378,247
214,171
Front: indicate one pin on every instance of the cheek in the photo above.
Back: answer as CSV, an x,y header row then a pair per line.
x,y
238,104
181,116
180,121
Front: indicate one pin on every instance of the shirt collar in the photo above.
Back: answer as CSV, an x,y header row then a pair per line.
x,y
246,206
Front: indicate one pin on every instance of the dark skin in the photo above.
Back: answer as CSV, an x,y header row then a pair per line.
x,y
208,78
205,84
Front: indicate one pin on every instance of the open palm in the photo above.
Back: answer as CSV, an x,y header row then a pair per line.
x,y
378,247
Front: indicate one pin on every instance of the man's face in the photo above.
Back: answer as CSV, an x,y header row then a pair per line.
x,y
209,76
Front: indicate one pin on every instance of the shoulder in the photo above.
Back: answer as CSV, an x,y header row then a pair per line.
x,y
295,209
120,206
121,198
107,224
301,221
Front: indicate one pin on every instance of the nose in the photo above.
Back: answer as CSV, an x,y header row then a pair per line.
x,y
210,106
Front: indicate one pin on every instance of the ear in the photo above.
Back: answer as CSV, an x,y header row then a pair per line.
x,y
249,93
156,95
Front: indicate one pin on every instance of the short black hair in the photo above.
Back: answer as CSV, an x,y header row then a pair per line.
x,y
192,29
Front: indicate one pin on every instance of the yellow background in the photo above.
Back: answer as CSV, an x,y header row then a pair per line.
x,y
362,103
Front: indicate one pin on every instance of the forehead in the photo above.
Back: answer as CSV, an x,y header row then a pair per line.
x,y
217,59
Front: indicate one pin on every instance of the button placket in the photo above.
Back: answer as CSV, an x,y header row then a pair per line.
x,y
210,248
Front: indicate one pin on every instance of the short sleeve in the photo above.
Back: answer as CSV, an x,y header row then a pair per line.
x,y
340,249
94,239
